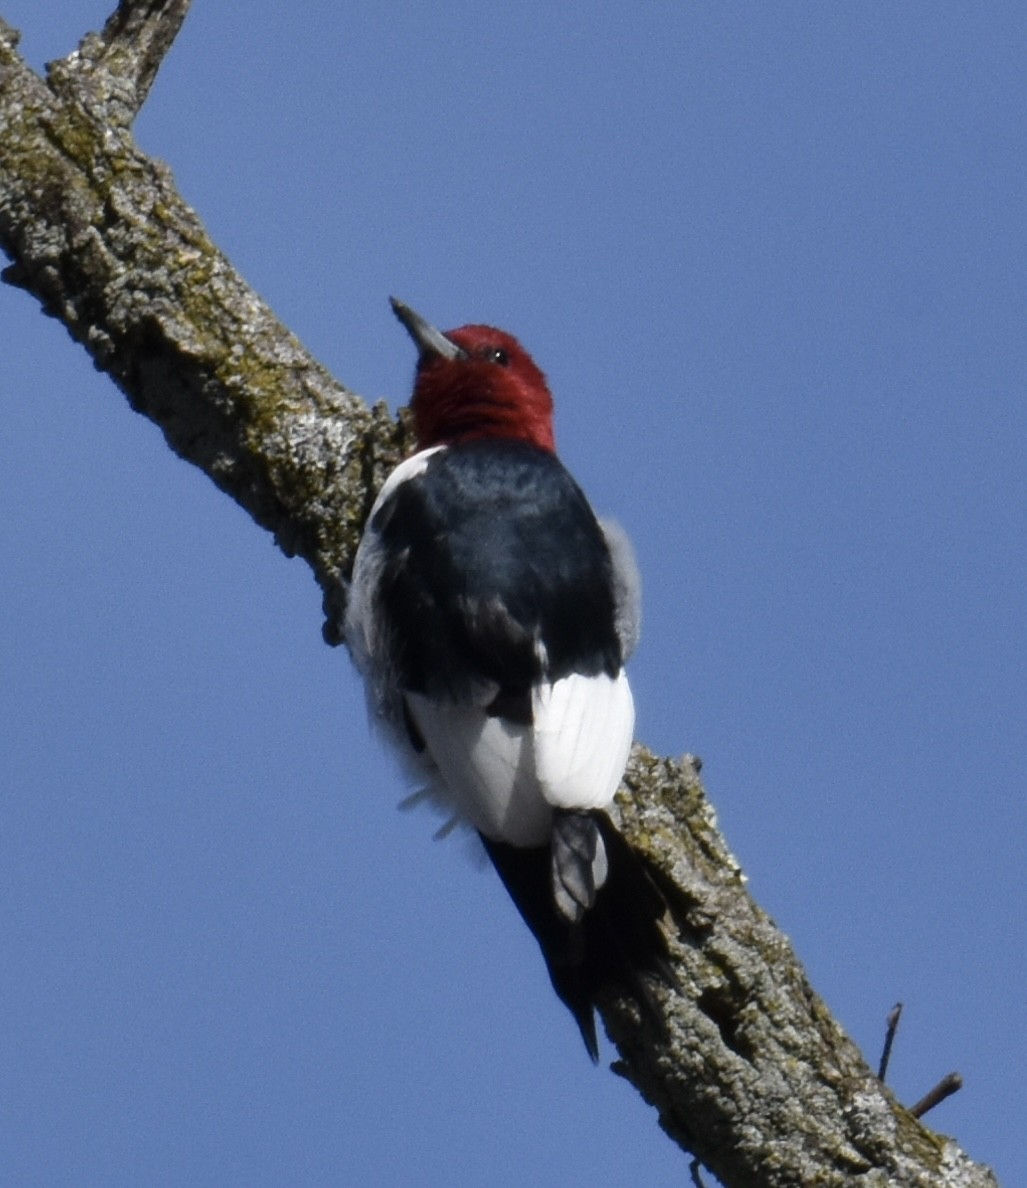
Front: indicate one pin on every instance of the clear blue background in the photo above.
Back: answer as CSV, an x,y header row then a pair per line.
x,y
772,258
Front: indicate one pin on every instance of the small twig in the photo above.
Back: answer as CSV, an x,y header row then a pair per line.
x,y
695,1167
944,1088
136,37
110,74
889,1038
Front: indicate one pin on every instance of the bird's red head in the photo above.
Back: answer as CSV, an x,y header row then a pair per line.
x,y
475,381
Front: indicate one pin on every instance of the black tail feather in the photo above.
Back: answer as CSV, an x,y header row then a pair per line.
x,y
616,942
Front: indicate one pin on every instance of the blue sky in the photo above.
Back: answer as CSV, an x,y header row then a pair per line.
x,y
772,259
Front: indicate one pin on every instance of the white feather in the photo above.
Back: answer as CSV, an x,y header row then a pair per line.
x,y
487,769
583,730
506,779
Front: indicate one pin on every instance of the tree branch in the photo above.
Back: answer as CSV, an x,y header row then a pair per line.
x,y
747,1070
97,232
111,73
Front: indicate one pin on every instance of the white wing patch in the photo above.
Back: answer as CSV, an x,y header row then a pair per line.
x,y
583,730
506,779
487,768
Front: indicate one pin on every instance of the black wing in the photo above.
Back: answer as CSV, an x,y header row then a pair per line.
x,y
499,572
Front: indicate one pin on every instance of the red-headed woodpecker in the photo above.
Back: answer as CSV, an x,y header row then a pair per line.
x,y
491,613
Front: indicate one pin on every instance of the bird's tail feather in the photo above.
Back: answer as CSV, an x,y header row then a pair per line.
x,y
616,942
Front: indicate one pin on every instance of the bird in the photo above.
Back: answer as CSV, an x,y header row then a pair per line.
x,y
490,613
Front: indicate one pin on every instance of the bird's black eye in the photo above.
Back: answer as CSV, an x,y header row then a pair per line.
x,y
498,355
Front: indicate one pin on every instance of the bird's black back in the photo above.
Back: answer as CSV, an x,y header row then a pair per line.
x,y
491,551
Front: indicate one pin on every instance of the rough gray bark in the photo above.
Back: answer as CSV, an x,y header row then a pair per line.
x,y
748,1070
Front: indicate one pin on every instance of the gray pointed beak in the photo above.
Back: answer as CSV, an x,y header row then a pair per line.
x,y
429,340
